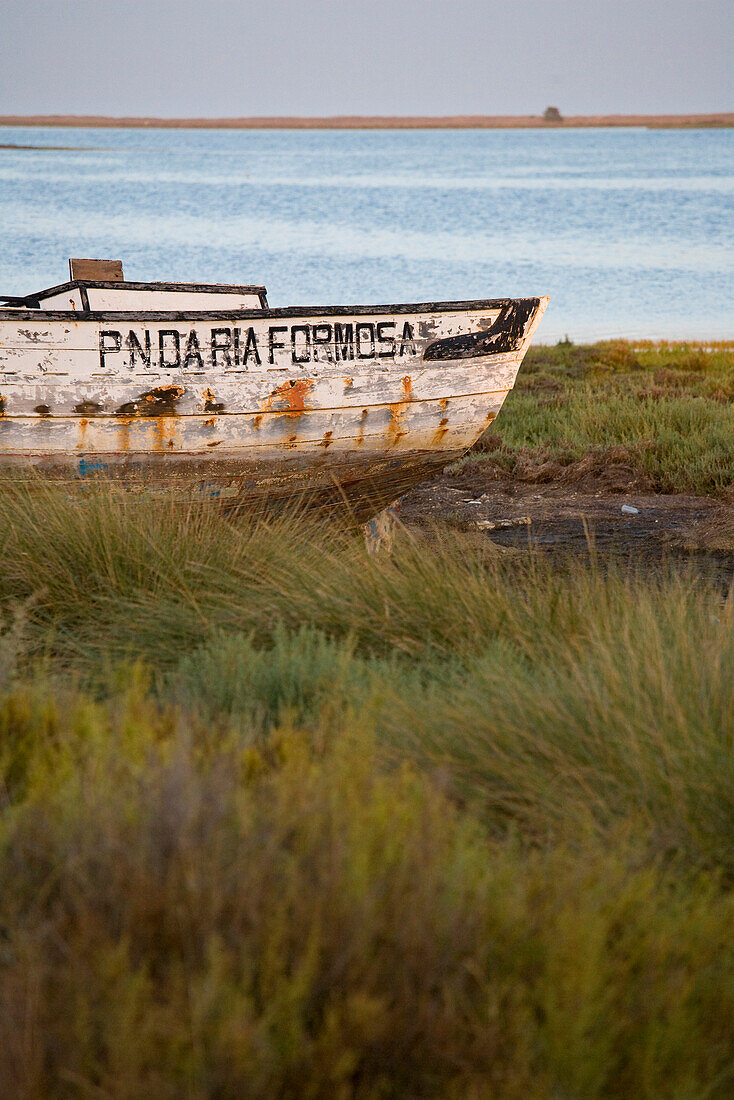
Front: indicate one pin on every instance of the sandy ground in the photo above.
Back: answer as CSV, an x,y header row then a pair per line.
x,y
363,122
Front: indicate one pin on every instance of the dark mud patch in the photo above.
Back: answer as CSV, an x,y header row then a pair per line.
x,y
581,519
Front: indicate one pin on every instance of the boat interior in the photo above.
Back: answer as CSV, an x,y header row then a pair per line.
x,y
101,285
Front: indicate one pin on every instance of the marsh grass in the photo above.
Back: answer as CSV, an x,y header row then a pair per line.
x,y
663,410
629,714
114,579
280,818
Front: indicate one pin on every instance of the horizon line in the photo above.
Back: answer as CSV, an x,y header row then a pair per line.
x,y
716,119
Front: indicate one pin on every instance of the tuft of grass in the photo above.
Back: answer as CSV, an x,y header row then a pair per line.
x,y
123,579
304,677
714,533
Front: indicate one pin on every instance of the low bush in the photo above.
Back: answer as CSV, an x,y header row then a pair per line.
x,y
188,918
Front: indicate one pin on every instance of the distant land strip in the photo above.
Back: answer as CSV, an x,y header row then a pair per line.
x,y
380,122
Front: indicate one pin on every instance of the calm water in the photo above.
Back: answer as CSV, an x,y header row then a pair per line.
x,y
631,232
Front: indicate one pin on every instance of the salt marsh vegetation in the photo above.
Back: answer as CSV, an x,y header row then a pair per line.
x,y
280,818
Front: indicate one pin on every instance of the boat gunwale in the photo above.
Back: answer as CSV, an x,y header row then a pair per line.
x,y
265,313
125,284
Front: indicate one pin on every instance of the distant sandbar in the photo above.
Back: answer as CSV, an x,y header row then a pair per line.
x,y
380,122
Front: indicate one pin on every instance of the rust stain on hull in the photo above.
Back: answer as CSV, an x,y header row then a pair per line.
x,y
125,435
164,431
83,424
395,430
360,430
440,431
291,398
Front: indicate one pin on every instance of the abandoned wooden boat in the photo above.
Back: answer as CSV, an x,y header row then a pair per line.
x,y
205,387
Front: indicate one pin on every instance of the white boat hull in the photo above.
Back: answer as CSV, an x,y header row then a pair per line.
x,y
257,403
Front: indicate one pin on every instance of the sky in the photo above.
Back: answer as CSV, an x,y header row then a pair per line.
x,y
325,57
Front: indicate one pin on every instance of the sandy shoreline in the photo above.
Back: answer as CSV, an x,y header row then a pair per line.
x,y
378,122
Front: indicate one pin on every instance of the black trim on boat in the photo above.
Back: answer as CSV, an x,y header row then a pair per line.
x,y
506,334
101,284
28,301
504,304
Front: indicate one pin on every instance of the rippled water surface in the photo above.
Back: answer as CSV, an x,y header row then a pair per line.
x,y
631,232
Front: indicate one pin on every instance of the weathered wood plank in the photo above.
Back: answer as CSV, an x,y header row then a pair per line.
x,y
400,426
70,298
271,339
261,392
109,270
119,298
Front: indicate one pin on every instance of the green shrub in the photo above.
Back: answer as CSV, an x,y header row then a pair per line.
x,y
297,921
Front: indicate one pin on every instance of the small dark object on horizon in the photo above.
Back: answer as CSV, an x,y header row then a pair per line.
x,y
552,114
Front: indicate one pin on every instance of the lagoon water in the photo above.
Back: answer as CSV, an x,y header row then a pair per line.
x,y
630,231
